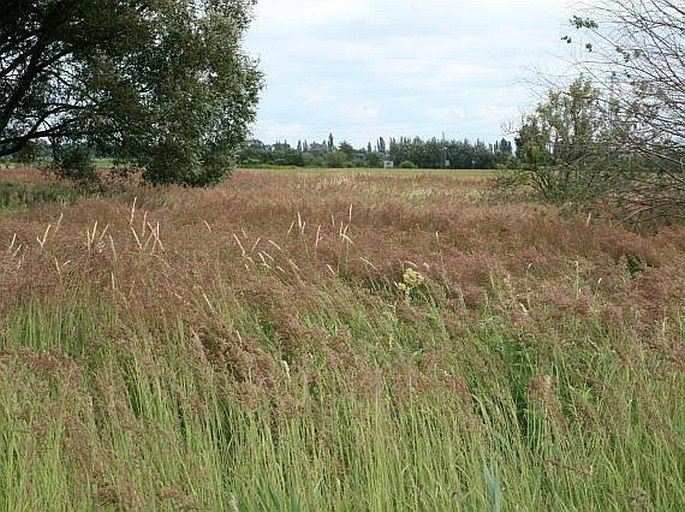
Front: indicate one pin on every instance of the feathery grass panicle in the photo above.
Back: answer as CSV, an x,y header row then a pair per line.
x,y
210,350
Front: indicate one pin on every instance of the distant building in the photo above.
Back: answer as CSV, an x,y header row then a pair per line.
x,y
388,164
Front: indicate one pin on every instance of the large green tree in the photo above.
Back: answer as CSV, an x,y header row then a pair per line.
x,y
163,84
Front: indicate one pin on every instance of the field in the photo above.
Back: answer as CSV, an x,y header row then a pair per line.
x,y
306,341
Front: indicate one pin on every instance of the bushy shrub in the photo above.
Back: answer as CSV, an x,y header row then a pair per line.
x,y
336,159
407,165
74,163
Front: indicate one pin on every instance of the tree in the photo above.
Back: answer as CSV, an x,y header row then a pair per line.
x,y
336,159
380,145
435,153
161,84
564,148
374,159
504,146
347,149
633,50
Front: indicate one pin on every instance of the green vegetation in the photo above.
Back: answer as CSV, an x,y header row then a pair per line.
x,y
614,137
141,420
337,341
163,86
19,195
429,154
320,339
292,171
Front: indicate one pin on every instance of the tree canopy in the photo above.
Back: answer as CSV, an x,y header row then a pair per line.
x,y
163,84
618,132
563,148
634,51
432,153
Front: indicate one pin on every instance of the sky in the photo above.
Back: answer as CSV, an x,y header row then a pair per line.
x,y
362,69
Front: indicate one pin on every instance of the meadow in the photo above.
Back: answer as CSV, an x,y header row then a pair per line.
x,y
339,340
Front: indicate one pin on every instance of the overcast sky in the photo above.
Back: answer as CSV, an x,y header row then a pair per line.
x,y
368,68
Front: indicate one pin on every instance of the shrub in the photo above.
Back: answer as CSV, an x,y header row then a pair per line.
x,y
336,159
407,165
74,163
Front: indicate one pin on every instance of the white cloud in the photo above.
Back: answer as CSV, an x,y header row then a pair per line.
x,y
276,16
379,67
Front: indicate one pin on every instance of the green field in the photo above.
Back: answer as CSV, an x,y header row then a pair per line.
x,y
469,173
309,341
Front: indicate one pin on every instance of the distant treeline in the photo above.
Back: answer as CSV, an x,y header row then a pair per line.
x,y
433,153
403,152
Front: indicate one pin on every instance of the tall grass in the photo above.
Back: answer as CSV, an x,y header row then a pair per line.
x,y
221,360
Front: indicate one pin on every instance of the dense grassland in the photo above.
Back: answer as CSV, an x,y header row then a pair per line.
x,y
337,341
